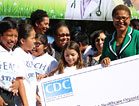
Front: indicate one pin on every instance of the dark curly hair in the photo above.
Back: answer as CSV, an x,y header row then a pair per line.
x,y
37,16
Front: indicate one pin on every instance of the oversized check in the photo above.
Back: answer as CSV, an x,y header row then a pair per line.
x,y
117,84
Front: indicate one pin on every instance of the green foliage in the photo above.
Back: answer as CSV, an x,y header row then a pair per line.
x,y
23,8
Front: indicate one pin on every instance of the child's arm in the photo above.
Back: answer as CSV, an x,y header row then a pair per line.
x,y
38,99
2,102
14,87
22,92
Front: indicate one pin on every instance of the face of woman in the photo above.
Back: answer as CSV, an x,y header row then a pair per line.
x,y
38,50
70,56
99,41
43,26
9,38
62,37
121,20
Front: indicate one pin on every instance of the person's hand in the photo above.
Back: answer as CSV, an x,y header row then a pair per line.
x,y
2,102
14,87
39,100
106,61
39,77
52,73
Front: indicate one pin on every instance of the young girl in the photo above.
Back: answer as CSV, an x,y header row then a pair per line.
x,y
8,74
42,66
71,59
44,63
25,63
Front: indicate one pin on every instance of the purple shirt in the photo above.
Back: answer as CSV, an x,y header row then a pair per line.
x,y
83,6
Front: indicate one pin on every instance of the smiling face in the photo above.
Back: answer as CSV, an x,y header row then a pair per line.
x,y
9,38
43,26
99,41
38,50
71,57
121,20
62,37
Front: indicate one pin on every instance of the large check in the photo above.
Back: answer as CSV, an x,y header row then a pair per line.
x,y
117,84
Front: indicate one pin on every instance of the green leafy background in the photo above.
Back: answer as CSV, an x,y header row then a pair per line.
x,y
23,8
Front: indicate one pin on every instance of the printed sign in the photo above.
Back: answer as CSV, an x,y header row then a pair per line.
x,y
67,9
57,88
115,85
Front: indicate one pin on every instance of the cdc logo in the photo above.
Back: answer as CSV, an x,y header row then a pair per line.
x,y
57,88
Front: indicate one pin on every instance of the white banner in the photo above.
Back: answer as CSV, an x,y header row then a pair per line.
x,y
117,84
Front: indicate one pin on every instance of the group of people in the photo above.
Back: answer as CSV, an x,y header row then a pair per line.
x,y
27,56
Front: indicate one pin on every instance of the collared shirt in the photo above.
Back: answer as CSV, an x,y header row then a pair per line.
x,y
129,47
83,6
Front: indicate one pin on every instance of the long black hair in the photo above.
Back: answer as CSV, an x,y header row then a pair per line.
x,y
37,16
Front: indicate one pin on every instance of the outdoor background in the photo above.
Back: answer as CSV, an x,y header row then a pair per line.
x,y
23,8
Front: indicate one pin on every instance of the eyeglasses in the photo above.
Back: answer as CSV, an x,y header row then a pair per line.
x,y
98,40
121,18
63,34
37,44
64,39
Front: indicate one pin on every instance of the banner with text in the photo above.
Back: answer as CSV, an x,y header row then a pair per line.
x,y
114,85
66,9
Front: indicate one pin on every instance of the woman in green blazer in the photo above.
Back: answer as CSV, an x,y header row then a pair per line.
x,y
124,41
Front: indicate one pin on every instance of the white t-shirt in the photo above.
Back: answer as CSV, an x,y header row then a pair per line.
x,y
88,51
70,69
7,68
25,64
44,64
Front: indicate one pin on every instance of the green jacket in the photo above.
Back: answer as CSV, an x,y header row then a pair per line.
x,y
129,47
